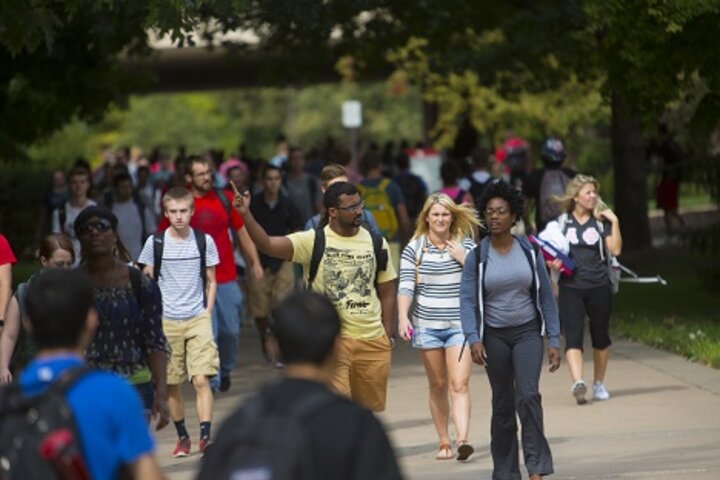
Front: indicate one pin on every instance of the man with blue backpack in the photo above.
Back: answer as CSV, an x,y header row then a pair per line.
x,y
64,420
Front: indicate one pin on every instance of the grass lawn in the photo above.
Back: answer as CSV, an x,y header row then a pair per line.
x,y
683,317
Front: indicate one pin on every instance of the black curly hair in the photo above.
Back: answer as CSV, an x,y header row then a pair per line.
x,y
501,189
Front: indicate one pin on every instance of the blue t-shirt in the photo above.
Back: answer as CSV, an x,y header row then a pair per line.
x,y
107,411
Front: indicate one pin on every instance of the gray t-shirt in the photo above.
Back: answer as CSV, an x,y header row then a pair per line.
x,y
590,270
130,228
508,279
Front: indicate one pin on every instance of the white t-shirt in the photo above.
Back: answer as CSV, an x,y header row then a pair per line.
x,y
180,283
71,213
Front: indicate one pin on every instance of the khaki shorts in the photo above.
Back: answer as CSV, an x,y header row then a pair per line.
x,y
266,293
362,371
194,351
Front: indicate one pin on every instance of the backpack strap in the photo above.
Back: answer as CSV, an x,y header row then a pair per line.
x,y
12,397
158,246
67,378
381,255
201,242
420,246
317,253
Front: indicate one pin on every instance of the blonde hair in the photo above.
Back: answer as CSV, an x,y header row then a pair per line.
x,y
464,217
178,193
567,200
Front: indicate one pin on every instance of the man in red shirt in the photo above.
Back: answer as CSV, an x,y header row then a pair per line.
x,y
211,217
7,258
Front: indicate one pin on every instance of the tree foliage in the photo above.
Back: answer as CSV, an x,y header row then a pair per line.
x,y
224,120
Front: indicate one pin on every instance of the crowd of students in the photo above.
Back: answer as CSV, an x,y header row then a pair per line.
x,y
170,252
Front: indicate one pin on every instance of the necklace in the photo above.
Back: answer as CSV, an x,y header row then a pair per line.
x,y
443,249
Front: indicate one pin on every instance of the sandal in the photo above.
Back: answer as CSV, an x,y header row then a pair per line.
x,y
464,451
444,452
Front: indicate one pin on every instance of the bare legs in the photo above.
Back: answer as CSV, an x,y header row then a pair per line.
x,y
445,373
203,398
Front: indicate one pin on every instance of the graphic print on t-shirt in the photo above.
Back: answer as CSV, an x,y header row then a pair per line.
x,y
591,236
350,273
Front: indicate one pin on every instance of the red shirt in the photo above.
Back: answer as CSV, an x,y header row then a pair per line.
x,y
211,217
6,253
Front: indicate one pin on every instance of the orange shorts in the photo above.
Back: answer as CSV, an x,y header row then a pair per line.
x,y
362,371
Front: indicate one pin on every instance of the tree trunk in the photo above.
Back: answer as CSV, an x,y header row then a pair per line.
x,y
630,170
429,119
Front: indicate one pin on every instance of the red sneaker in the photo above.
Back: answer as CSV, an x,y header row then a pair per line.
x,y
182,448
204,442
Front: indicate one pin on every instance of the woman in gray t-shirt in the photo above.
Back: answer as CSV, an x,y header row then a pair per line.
x,y
506,306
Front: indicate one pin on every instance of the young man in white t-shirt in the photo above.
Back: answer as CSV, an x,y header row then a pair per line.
x,y
63,218
187,311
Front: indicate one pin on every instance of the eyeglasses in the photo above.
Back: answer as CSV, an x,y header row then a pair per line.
x,y
351,208
489,212
99,226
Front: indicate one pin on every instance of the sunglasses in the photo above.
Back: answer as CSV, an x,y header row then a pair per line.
x,y
100,226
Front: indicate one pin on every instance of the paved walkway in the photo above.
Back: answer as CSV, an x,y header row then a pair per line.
x,y
662,422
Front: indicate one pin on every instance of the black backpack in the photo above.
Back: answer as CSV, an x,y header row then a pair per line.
x,y
476,190
263,442
414,193
38,435
159,246
381,256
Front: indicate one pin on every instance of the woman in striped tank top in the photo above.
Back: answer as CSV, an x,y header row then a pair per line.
x,y
429,312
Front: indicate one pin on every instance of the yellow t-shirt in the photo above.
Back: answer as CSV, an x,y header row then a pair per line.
x,y
346,275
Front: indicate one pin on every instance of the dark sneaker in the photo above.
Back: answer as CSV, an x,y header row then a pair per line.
x,y
182,448
464,451
224,384
579,389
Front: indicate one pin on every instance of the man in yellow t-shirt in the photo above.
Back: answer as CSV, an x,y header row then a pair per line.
x,y
347,276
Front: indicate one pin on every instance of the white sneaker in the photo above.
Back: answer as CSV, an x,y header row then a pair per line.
x,y
599,392
579,389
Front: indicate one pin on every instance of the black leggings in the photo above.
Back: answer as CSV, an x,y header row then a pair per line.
x,y
575,304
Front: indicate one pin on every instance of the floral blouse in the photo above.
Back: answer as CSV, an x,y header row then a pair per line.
x,y
130,327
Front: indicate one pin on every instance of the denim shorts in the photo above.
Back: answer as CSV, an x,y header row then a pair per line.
x,y
427,338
